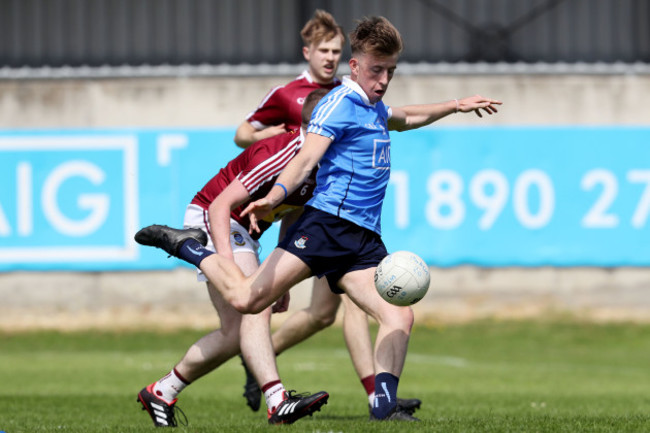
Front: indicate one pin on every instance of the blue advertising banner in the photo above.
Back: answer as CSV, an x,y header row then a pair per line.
x,y
521,196
73,199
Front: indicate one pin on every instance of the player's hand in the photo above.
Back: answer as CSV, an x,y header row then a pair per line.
x,y
477,103
256,211
282,304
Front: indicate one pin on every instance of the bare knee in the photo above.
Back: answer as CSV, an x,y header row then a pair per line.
x,y
237,298
407,318
321,319
401,318
230,334
247,305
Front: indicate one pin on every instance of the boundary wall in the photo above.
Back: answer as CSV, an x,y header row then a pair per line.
x,y
66,300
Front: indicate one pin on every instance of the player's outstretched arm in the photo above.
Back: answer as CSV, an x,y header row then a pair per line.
x,y
477,103
415,116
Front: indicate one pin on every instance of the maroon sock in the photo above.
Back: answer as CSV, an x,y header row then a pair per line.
x,y
368,383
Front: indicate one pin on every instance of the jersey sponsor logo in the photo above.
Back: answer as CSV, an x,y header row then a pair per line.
x,y
238,238
381,155
301,243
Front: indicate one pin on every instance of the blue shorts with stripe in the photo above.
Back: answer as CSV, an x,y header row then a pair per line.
x,y
332,246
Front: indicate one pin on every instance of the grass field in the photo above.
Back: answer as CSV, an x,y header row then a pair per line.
x,y
481,377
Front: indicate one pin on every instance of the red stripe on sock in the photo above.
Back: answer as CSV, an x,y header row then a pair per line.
x,y
185,381
270,384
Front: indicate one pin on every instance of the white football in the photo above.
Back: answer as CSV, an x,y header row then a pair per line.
x,y
402,278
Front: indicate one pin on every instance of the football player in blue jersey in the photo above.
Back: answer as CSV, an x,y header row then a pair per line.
x,y
339,233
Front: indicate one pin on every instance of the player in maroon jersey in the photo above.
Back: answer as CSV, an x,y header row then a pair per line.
x,y
215,210
280,110
323,41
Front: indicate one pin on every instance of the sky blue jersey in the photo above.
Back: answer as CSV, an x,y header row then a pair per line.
x,y
354,172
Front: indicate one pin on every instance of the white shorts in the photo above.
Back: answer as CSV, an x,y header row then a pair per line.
x,y
240,241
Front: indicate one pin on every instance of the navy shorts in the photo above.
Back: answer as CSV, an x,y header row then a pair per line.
x,y
332,246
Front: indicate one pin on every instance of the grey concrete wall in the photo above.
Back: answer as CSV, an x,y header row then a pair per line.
x,y
155,299
164,300
179,102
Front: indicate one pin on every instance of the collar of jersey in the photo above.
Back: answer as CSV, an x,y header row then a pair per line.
x,y
305,74
347,81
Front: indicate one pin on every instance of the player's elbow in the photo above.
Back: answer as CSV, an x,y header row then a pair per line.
x,y
244,135
398,125
405,125
241,142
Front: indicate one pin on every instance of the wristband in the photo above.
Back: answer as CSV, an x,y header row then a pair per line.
x,y
284,188
457,105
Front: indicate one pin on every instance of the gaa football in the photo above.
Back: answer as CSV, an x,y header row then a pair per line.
x,y
402,278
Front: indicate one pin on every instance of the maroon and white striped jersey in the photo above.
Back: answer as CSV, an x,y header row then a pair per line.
x,y
256,168
283,104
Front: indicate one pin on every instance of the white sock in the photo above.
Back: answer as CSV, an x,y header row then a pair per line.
x,y
274,396
169,386
371,399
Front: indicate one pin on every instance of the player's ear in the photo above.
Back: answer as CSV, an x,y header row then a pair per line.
x,y
354,66
305,52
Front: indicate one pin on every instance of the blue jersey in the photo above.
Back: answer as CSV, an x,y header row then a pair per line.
x,y
354,172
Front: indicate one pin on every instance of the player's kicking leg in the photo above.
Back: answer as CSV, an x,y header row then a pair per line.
x,y
275,276
390,345
279,272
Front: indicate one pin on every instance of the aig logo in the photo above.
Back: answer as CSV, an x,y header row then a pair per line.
x,y
381,155
67,198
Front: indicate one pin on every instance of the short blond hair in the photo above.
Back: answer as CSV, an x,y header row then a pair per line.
x,y
376,36
322,27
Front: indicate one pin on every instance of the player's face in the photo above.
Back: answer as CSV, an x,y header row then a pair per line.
x,y
323,59
373,73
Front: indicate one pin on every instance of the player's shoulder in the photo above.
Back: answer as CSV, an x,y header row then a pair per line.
x,y
302,80
288,91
